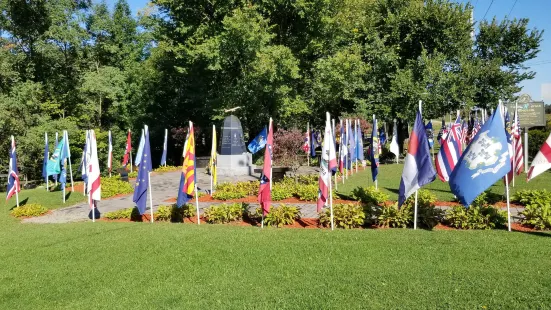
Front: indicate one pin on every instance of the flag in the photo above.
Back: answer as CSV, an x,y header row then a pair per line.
x,y
93,186
441,131
351,145
306,145
85,157
509,135
485,161
127,150
258,142
54,176
464,132
542,161
374,151
456,132
139,154
53,167
447,158
265,192
187,179
14,185
476,128
343,150
382,136
517,145
328,162
110,153
165,144
45,160
313,143
418,170
360,144
394,147
212,162
182,197
142,181
430,136
65,154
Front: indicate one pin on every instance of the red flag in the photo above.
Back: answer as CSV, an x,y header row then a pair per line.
x,y
128,149
265,192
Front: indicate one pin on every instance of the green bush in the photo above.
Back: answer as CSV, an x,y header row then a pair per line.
x,y
392,216
31,209
283,190
229,191
537,212
428,215
307,192
308,179
178,214
282,215
527,197
369,196
224,213
130,213
475,217
344,216
133,174
165,168
536,137
163,214
114,186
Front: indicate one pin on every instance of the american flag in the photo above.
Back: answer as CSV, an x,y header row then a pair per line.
x,y
476,128
517,145
13,178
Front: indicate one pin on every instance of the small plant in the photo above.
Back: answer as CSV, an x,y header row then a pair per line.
x,y
392,216
537,213
428,215
475,217
120,214
163,214
307,192
178,214
281,216
369,195
527,197
133,174
229,191
282,190
31,209
114,186
166,169
224,213
344,216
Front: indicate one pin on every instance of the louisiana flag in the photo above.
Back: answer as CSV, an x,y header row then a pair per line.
x,y
187,179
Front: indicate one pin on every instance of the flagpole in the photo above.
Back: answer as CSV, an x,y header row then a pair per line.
x,y
16,184
84,158
330,185
356,142
272,163
309,143
150,195
70,166
335,142
211,174
166,142
56,140
130,154
416,192
396,134
47,176
347,149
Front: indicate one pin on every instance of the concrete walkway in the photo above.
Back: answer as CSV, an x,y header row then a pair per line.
x,y
165,186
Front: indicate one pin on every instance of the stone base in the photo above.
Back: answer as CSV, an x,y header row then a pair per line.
x,y
234,165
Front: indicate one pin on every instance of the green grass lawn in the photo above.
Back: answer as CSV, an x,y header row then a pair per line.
x,y
390,175
50,200
183,266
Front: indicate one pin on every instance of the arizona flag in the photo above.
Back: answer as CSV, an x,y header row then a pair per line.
x,y
265,192
13,178
128,149
187,181
542,161
418,169
94,184
328,162
485,161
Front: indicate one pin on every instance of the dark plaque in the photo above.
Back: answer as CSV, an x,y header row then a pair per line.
x,y
232,142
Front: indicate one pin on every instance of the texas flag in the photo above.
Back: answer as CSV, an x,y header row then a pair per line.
x,y
418,168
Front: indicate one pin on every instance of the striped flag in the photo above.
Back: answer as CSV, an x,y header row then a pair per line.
x,y
187,179
464,132
94,184
542,161
265,191
517,145
449,152
510,144
13,178
127,150
327,164
110,154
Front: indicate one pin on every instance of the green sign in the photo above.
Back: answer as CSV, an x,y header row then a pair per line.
x,y
531,114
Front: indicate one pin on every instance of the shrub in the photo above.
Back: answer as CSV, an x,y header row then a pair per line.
x,y
283,190
306,192
163,214
228,191
428,215
282,215
287,149
536,137
475,217
344,216
133,174
308,179
369,195
114,186
224,213
537,212
527,197
166,168
179,213
392,216
31,209
130,213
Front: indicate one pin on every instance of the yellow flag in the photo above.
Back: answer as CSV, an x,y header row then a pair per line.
x,y
212,162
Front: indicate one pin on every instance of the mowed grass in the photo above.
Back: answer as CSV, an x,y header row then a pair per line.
x,y
390,175
184,266
50,200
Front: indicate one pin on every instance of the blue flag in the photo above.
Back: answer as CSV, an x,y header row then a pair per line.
x,y
484,162
259,142
430,136
351,146
45,160
53,167
418,169
359,144
165,144
142,181
374,151
65,153
382,136
313,144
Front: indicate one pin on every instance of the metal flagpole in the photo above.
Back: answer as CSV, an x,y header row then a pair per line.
x,y
341,157
84,159
347,149
150,195
526,149
335,143
377,150
18,185
393,134
330,185
309,142
211,174
508,207
272,163
166,141
356,141
70,166
130,154
416,192
56,140
47,176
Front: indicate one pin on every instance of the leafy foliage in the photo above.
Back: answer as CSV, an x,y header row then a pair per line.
x,y
370,196
166,168
114,186
392,216
344,216
428,215
537,211
281,215
307,192
31,209
178,214
130,213
475,217
163,214
224,213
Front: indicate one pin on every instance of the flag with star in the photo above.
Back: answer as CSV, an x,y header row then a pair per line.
x,y
187,178
142,181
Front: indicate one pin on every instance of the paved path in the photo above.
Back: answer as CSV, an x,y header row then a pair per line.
x,y
165,186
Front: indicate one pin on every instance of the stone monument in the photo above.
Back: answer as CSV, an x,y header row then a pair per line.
x,y
233,159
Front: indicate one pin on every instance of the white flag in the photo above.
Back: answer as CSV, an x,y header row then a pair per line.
x,y
94,184
542,161
394,147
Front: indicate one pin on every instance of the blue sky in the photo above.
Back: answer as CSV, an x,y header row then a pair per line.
x,y
536,10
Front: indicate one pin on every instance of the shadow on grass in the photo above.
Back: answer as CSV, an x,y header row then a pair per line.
x,y
67,195
21,203
537,233
97,214
393,190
